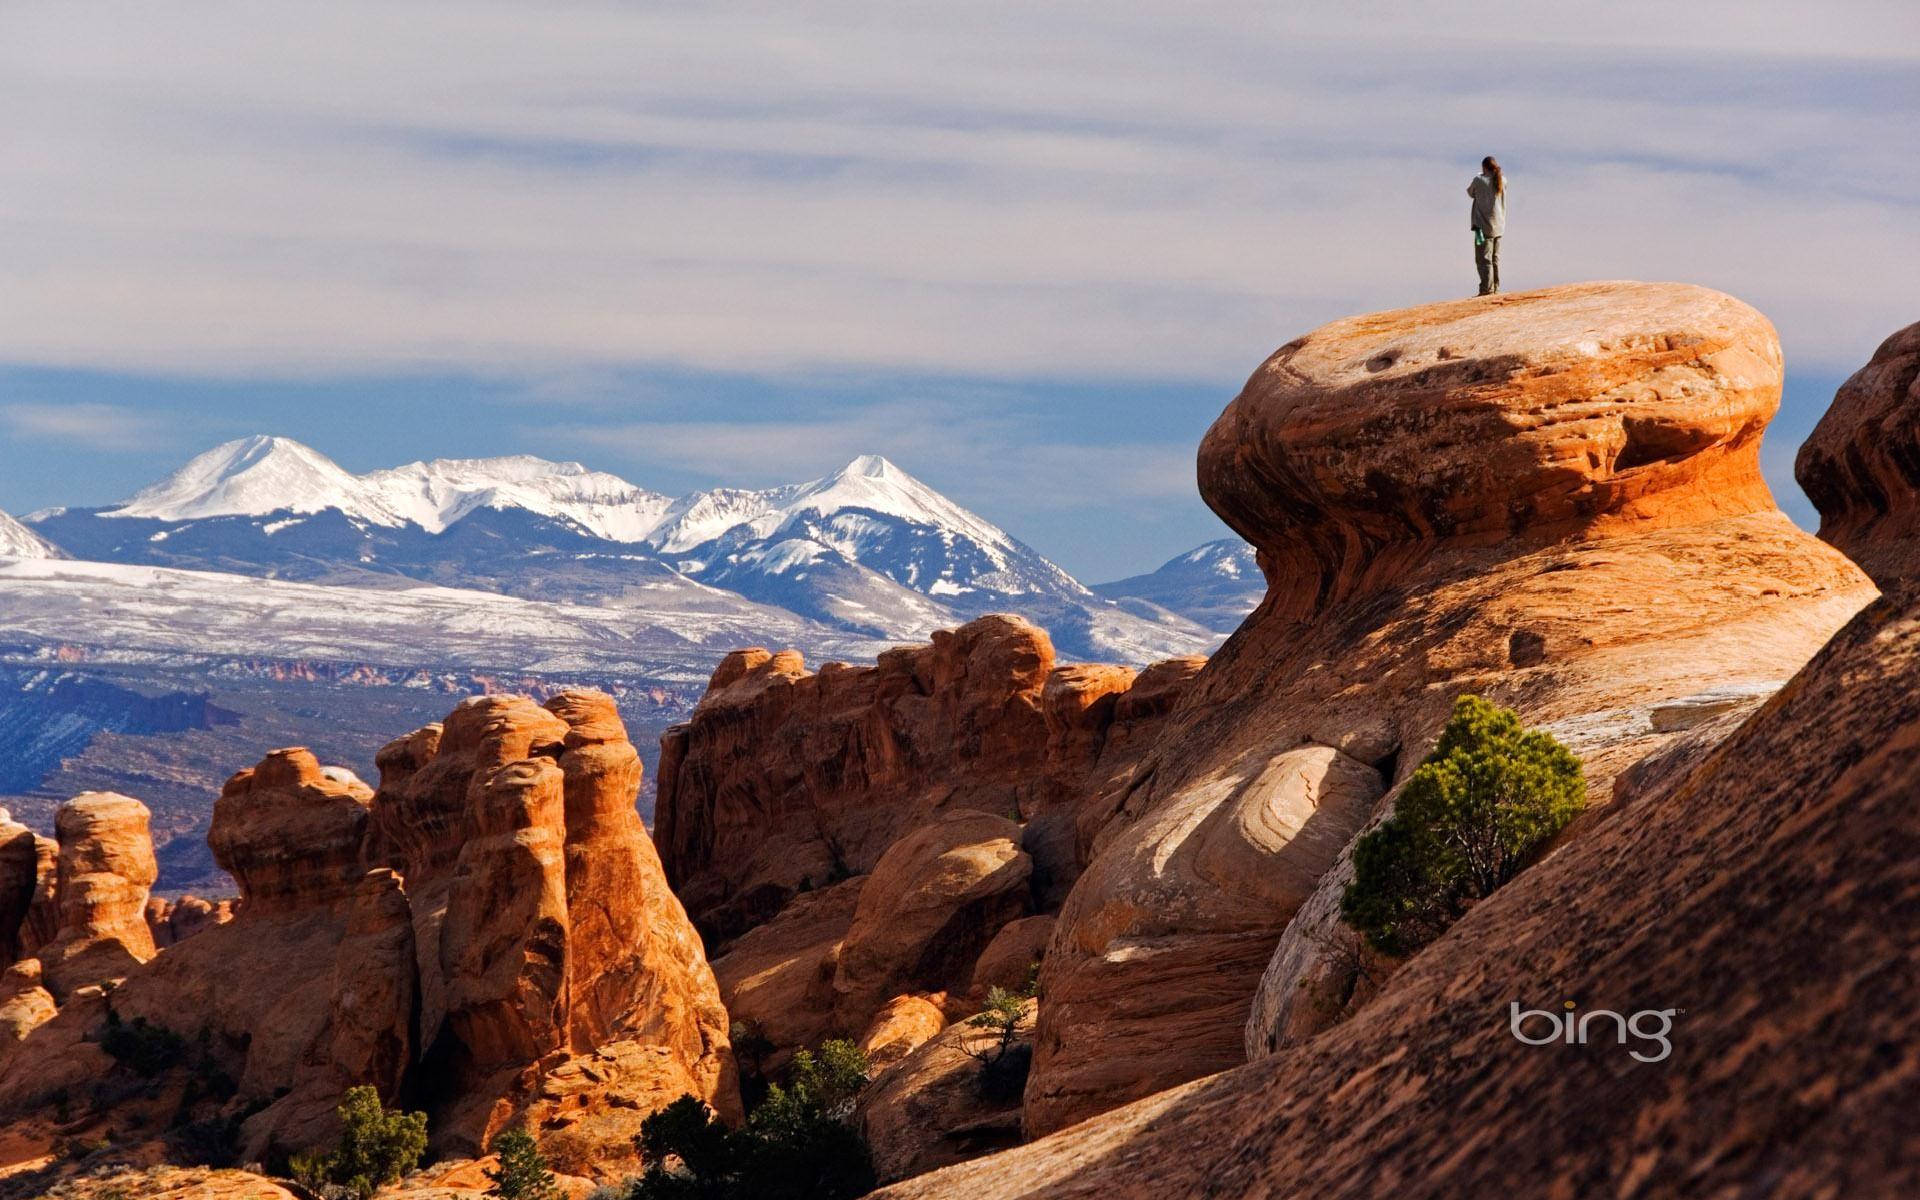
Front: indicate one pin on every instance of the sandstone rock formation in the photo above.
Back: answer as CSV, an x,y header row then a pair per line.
x,y
1791,1069
1012,956
931,1109
174,921
1861,464
19,880
1551,498
489,937
538,803
106,867
777,978
902,1024
785,781
934,901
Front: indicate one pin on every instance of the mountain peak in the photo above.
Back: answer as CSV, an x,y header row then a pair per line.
x,y
247,476
871,466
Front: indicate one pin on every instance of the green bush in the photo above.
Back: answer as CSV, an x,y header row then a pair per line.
x,y
1004,1061
376,1148
1474,812
522,1173
797,1145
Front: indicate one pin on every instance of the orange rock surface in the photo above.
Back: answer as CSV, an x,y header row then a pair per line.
x,y
1767,902
489,937
106,867
786,780
933,902
901,1024
1861,464
1550,498
930,1108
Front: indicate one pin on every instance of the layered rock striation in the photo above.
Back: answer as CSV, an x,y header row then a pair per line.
x,y
1552,499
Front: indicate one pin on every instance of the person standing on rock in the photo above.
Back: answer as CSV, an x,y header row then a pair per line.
x,y
1489,192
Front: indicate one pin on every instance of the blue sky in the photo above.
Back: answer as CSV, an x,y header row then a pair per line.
x,y
1026,251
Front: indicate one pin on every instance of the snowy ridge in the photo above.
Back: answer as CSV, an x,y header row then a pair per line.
x,y
258,475
433,495
17,541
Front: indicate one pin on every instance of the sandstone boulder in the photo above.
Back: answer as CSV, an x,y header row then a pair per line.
x,y
777,978
25,1002
935,900
1861,464
902,1024
1552,499
1011,958
106,868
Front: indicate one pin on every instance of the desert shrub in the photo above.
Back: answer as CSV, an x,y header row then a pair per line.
x,y
1004,1060
1470,819
141,1047
376,1148
797,1145
211,1142
522,1173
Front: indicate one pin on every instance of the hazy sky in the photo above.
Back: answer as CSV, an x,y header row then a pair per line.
x,y
1028,251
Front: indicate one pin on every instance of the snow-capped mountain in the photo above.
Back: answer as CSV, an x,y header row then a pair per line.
x,y
17,541
260,475
1216,585
868,550
872,549
860,511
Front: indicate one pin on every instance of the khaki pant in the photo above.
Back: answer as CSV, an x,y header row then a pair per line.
x,y
1486,256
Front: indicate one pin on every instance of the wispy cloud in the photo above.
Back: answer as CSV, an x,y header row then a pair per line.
x,y
107,428
1068,189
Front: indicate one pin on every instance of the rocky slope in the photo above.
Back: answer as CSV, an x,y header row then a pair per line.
x,y
1552,499
1778,1062
488,936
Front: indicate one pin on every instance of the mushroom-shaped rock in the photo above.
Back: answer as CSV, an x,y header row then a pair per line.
x,y
1549,498
1424,1094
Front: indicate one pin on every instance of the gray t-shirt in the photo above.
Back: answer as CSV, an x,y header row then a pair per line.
x,y
1489,206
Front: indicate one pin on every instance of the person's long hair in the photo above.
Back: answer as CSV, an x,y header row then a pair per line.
x,y
1491,166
